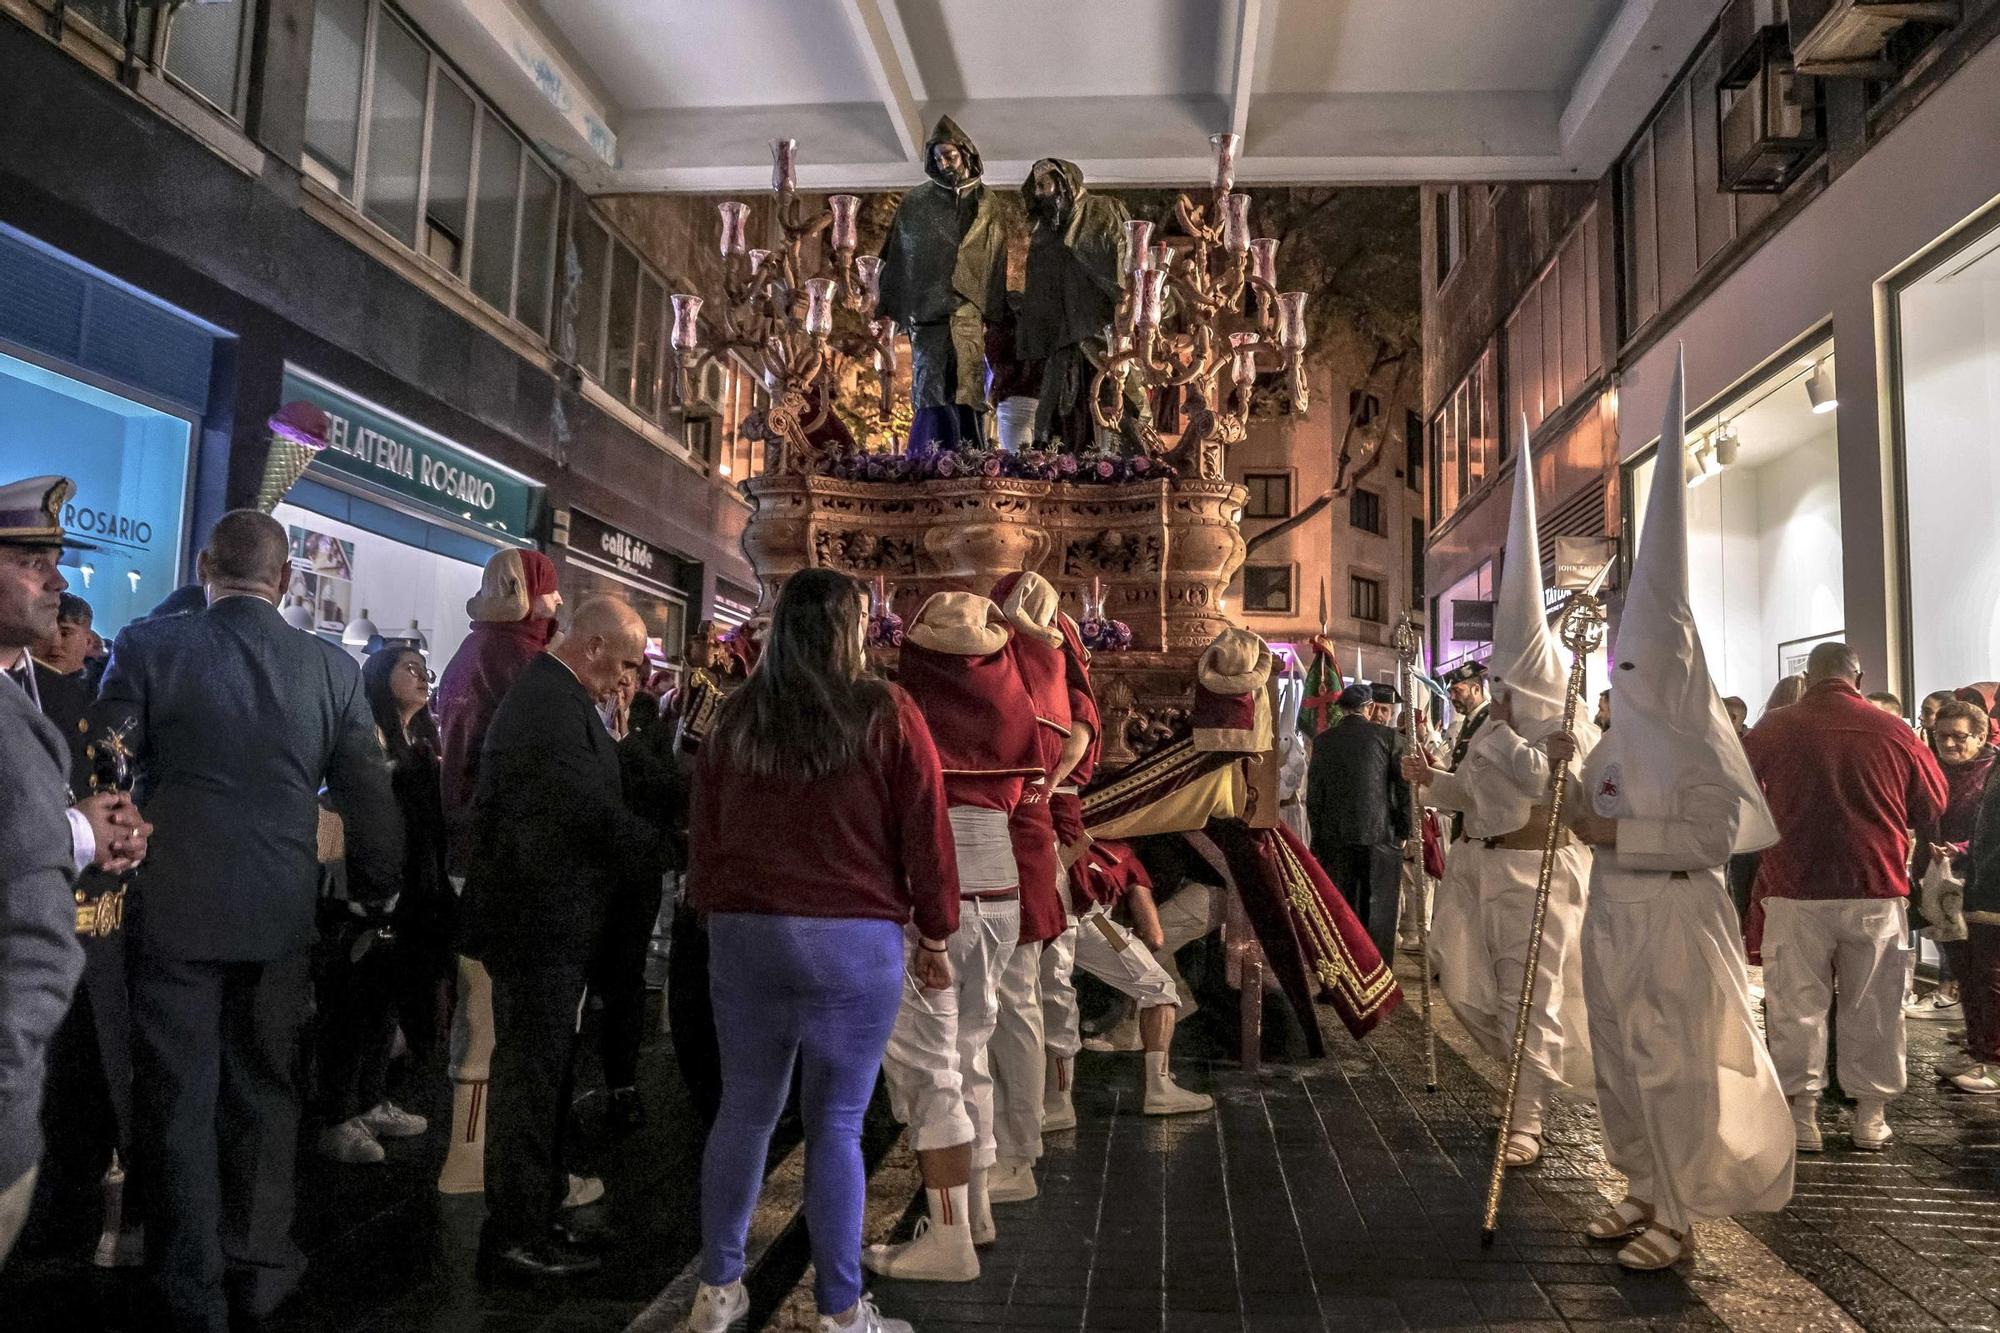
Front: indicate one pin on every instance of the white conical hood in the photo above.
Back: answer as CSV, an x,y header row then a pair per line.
x,y
1670,724
1527,661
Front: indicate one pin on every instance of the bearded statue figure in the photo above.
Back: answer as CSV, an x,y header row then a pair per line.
x,y
944,272
1077,257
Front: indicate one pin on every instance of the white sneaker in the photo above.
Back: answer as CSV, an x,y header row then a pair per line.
x,y
718,1309
1871,1131
1933,1008
1960,1062
1163,1096
1121,1036
1011,1182
350,1142
933,1254
1805,1122
1058,1111
867,1319
583,1191
1978,1079
390,1121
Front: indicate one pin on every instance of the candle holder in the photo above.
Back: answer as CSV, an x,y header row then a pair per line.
x,y
1205,304
776,313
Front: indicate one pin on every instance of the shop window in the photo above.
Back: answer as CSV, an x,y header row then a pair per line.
x,y
1365,598
649,344
1413,451
1267,589
1642,246
1364,511
333,93
1270,495
1764,533
1416,564
1450,648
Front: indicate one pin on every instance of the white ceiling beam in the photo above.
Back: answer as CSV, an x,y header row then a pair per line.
x,y
1631,68
878,30
1249,47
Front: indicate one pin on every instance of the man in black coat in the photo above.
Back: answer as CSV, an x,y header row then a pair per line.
x,y
1359,809
236,721
552,840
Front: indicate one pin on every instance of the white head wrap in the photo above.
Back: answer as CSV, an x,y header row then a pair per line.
x,y
1672,730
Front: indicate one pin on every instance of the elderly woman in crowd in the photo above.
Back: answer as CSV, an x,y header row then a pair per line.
x,y
811,934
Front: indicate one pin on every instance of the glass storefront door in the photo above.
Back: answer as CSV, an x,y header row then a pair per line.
x,y
1947,325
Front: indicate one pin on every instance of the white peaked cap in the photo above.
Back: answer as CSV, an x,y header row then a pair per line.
x,y
1672,730
1527,660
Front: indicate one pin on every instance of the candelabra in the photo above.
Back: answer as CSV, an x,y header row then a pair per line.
x,y
1226,313
778,309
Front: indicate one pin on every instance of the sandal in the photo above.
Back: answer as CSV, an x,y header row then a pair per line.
x,y
1523,1148
1656,1248
1626,1220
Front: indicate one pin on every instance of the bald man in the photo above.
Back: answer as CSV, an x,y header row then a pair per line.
x,y
551,838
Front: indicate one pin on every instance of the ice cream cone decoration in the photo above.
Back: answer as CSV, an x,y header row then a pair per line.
x,y
298,434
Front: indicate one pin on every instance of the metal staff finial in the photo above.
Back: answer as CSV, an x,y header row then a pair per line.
x,y
1582,632
1408,643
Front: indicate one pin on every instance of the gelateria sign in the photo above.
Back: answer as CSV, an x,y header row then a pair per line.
x,y
368,443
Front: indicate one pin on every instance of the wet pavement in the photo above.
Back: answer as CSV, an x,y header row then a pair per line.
x,y
1330,1196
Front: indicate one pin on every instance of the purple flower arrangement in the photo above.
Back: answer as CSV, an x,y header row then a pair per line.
x,y
885,629
1099,467
1104,635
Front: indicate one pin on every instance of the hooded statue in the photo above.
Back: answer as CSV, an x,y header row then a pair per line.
x,y
944,270
1077,257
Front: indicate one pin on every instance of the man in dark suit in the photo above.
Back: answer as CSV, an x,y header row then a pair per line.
x,y
552,839
236,721
1358,807
45,842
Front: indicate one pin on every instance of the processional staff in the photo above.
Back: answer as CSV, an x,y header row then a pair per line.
x,y
1407,643
1583,627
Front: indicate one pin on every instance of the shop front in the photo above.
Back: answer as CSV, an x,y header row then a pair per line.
x,y
600,559
1766,561
392,525
77,398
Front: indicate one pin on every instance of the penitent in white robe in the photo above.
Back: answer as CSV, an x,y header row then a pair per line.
x,y
1693,1112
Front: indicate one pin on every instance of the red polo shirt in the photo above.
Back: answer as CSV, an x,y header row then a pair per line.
x,y
1846,782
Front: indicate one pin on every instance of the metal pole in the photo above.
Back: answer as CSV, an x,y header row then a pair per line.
x,y
1406,652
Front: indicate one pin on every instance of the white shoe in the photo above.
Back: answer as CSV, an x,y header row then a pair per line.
x,y
390,1121
1871,1131
867,1319
583,1191
1933,1008
1122,1036
1058,1110
1805,1122
718,1309
1978,1079
350,1142
1011,1183
1163,1096
933,1254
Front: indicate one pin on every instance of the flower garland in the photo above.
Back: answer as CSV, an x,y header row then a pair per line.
x,y
1101,634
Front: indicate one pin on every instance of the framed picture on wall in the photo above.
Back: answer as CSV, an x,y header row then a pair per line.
x,y
1792,656
336,604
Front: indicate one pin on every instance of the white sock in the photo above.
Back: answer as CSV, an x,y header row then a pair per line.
x,y
1156,1069
949,1207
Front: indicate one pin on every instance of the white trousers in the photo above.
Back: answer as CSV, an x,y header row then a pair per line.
x,y
1103,948
1020,1067
1195,911
940,1079
1485,920
1858,948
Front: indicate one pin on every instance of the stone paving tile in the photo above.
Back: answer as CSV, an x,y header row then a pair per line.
x,y
1329,1197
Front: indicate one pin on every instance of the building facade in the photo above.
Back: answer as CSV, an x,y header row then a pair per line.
x,y
251,205
1815,230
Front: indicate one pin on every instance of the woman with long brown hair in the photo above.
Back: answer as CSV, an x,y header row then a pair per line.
x,y
819,834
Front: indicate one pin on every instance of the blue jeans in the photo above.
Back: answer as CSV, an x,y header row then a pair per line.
x,y
824,991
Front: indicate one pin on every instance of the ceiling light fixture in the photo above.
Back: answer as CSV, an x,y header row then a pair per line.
x,y
1819,389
